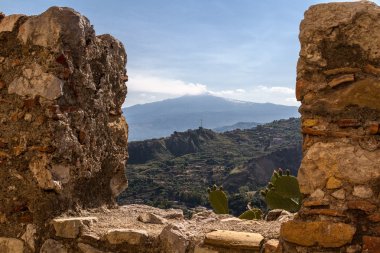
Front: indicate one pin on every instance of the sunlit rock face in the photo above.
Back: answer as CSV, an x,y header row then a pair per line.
x,y
63,139
338,84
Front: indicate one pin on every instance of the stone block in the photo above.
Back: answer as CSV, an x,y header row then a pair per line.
x,y
322,233
371,244
324,160
272,246
343,70
71,227
317,194
36,82
29,236
371,69
318,202
233,239
39,168
374,128
174,239
300,89
11,245
362,191
53,26
130,236
339,194
309,122
343,123
333,183
361,205
374,217
326,212
341,79
151,218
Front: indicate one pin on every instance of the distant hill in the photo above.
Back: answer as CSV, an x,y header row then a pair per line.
x,y
239,125
179,168
159,119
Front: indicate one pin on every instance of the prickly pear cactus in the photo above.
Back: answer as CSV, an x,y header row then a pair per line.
x,y
218,200
283,192
251,214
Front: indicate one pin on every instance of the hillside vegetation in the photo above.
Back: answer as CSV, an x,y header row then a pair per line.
x,y
175,171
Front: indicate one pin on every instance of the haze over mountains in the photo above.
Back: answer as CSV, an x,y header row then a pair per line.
x,y
159,119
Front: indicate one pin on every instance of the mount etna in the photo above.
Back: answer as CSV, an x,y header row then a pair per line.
x,y
160,119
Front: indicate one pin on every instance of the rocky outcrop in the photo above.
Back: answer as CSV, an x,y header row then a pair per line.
x,y
178,144
258,171
63,140
338,84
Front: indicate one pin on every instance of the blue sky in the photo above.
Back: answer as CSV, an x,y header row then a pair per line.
x,y
240,49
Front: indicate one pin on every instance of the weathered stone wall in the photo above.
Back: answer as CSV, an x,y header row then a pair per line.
x,y
338,83
63,140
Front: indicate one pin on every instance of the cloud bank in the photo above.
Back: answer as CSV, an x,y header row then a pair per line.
x,y
145,89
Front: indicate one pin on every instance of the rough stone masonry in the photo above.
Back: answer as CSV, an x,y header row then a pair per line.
x,y
63,139
338,84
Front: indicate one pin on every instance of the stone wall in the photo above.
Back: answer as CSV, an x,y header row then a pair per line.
x,y
63,140
338,83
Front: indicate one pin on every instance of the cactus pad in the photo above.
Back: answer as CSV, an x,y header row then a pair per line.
x,y
251,214
283,192
218,200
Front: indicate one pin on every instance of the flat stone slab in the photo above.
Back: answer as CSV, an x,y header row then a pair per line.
x,y
71,227
130,236
322,233
233,239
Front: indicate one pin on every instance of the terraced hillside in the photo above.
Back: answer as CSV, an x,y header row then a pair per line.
x,y
175,171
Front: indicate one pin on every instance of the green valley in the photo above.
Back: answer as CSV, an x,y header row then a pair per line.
x,y
175,171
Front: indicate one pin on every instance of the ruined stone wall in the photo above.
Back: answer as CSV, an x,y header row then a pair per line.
x,y
63,140
338,83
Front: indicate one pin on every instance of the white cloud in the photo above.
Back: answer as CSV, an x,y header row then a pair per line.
x,y
151,84
147,88
261,94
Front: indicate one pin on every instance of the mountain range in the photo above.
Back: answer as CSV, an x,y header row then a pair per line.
x,y
160,119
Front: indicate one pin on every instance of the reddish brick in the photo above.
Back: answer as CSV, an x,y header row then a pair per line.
x,y
343,70
300,86
30,103
361,205
371,244
371,69
348,123
311,131
326,212
374,217
47,149
62,60
373,128
321,202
